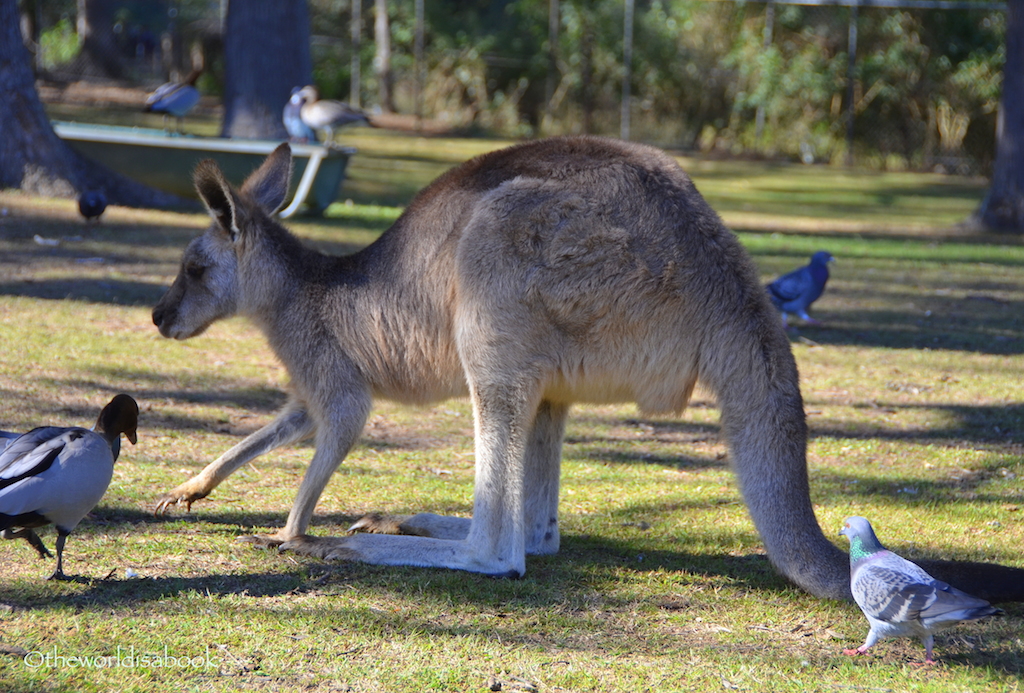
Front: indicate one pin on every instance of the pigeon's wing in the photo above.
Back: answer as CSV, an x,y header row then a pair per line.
x,y
162,91
951,605
791,286
893,594
34,453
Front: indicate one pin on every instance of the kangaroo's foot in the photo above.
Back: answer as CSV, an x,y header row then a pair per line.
x,y
421,525
327,548
426,552
261,541
188,493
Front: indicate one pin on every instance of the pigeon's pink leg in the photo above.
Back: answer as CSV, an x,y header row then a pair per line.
x,y
928,658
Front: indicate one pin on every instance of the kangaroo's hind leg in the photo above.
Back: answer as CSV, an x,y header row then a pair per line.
x,y
540,493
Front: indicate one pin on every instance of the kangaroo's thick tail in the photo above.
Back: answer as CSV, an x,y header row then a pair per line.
x,y
757,387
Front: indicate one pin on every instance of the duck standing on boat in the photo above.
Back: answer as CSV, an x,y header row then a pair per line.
x,y
57,475
326,114
175,98
298,131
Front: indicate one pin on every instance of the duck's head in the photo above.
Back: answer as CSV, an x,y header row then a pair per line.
x,y
121,415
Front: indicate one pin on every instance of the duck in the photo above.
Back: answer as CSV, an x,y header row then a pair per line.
x,y
92,204
175,98
56,475
325,114
298,131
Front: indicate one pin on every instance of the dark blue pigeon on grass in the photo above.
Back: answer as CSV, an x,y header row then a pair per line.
x,y
898,597
91,204
796,291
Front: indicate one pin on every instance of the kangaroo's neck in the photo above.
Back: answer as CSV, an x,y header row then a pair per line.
x,y
278,276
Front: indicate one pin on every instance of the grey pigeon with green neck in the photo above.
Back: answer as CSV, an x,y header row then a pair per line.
x,y
898,597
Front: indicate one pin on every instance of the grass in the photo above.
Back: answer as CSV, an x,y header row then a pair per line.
x,y
912,394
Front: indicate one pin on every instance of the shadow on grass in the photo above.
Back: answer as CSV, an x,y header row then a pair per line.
x,y
105,290
999,336
585,567
215,392
960,485
993,424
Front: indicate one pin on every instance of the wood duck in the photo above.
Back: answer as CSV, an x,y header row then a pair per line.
x,y
54,475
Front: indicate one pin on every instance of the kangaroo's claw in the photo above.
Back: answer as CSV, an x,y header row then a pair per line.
x,y
177,497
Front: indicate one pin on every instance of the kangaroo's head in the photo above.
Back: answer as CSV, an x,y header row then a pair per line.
x,y
207,287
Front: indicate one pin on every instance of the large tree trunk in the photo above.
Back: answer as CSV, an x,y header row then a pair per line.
x,y
266,54
382,63
1003,206
32,157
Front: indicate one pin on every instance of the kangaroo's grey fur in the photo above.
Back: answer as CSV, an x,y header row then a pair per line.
x,y
557,271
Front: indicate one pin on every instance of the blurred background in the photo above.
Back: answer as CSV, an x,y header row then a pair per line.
x,y
918,91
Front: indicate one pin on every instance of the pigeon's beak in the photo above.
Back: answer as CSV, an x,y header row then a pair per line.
x,y
843,530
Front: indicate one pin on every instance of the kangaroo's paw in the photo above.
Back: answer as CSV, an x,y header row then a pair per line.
x,y
186,494
327,548
260,541
377,523
421,525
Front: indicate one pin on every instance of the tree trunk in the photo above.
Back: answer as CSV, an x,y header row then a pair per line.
x,y
382,63
356,31
32,157
1003,206
266,54
587,72
99,57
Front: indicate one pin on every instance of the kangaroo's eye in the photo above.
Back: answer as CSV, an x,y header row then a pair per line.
x,y
195,271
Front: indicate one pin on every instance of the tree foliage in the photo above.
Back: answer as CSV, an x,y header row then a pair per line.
x,y
926,84
926,90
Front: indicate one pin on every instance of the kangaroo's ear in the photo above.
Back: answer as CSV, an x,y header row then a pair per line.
x,y
217,195
268,185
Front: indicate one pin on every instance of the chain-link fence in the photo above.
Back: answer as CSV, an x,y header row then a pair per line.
x,y
765,79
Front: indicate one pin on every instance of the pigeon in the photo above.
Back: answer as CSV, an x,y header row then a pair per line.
x,y
898,597
91,204
796,291
298,131
57,475
320,114
175,98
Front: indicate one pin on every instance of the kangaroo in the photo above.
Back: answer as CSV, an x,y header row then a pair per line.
x,y
564,270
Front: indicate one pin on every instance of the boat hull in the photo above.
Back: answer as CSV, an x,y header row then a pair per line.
x,y
166,162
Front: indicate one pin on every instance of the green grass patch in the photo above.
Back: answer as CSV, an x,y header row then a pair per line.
x,y
913,400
